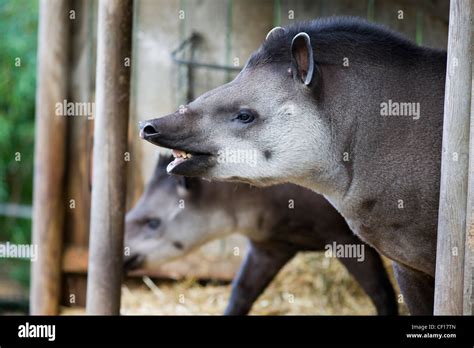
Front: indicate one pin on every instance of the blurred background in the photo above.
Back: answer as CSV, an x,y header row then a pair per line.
x,y
181,49
18,28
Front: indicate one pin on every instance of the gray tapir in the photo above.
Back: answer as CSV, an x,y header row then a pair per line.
x,y
176,215
346,108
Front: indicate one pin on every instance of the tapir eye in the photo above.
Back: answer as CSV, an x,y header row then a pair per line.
x,y
244,116
153,223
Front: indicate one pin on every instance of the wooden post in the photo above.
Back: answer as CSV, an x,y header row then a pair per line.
x,y
469,245
80,128
79,145
48,200
454,166
114,38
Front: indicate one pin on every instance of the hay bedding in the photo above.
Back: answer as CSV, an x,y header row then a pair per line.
x,y
309,284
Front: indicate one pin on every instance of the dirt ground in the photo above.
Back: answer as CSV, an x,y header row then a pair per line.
x,y
309,285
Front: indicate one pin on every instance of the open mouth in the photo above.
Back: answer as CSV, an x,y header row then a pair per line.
x,y
179,157
186,159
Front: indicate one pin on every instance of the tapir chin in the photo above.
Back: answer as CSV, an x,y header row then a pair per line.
x,y
175,215
310,108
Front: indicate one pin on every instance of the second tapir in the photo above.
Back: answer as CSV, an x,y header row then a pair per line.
x,y
346,108
279,221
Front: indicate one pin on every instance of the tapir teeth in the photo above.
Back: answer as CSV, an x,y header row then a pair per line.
x,y
181,154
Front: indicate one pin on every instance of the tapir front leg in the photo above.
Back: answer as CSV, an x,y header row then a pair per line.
x,y
417,289
261,264
373,278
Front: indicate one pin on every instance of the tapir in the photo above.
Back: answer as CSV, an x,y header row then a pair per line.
x,y
176,215
346,108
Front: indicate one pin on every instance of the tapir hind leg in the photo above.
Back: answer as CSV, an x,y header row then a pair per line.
x,y
261,264
417,289
373,278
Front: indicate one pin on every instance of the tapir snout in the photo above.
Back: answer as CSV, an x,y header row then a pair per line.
x,y
148,130
132,262
179,132
169,131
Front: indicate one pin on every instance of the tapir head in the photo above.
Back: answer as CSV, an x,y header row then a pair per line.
x,y
257,127
173,216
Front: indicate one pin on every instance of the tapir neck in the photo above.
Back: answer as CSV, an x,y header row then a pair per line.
x,y
386,126
242,204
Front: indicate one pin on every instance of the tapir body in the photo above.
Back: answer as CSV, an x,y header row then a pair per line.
x,y
345,108
175,215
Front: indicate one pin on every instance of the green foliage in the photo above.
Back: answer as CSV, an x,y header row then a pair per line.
x,y
18,42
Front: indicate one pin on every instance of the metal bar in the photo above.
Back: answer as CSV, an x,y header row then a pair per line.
x,y
194,39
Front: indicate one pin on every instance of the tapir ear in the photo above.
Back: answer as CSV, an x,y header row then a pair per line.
x,y
275,31
186,186
163,161
183,182
302,58
161,164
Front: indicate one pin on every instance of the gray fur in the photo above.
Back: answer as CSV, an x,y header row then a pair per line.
x,y
279,221
380,172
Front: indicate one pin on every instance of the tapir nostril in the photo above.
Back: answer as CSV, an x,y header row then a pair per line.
x,y
148,130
